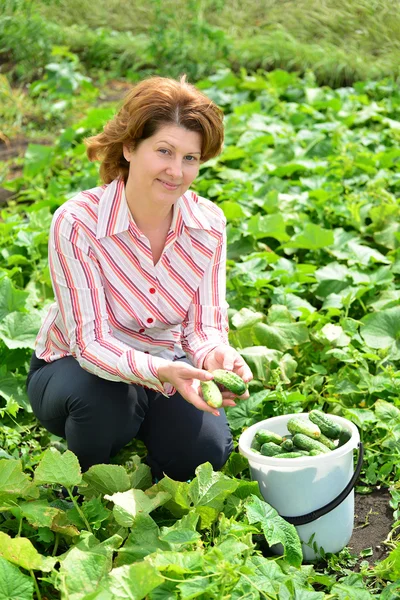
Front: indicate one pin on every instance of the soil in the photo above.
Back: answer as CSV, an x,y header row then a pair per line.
x,y
373,520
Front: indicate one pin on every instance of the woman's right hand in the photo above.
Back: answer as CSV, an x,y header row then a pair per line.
x,y
186,380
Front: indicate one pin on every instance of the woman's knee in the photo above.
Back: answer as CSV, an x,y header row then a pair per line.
x,y
214,449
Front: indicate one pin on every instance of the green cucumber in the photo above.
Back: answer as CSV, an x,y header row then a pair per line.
x,y
255,445
230,381
264,435
304,442
292,454
287,445
211,393
315,452
296,425
344,436
327,425
270,449
327,442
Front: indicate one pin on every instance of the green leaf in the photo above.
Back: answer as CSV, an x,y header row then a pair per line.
x,y
132,502
13,482
260,226
381,329
143,539
280,332
133,582
261,360
210,488
22,553
179,504
312,238
387,412
57,468
37,158
19,330
245,413
276,529
11,299
38,513
13,584
105,479
246,317
195,587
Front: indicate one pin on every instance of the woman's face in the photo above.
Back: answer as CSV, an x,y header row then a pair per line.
x,y
164,165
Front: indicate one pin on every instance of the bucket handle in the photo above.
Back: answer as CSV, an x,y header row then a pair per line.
x,y
320,512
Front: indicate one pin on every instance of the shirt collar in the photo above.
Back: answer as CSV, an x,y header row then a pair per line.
x,y
115,217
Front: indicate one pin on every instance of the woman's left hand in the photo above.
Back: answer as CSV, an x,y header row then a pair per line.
x,y
226,357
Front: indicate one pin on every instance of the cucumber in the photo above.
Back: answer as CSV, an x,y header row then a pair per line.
x,y
315,452
296,425
327,426
344,436
270,449
292,454
211,393
287,445
306,443
264,435
230,381
327,442
255,445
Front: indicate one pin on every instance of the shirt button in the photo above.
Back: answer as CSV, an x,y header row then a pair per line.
x,y
142,330
146,352
152,290
150,320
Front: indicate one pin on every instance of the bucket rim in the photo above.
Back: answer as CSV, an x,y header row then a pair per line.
x,y
246,438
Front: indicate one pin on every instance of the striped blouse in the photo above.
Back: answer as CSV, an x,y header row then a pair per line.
x,y
115,311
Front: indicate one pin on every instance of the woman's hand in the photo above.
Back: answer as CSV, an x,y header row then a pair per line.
x,y
186,380
226,357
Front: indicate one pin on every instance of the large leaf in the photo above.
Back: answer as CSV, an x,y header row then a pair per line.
x,y
280,332
133,502
381,329
13,584
273,226
13,482
11,299
57,468
276,529
105,479
19,330
312,238
22,553
143,539
133,582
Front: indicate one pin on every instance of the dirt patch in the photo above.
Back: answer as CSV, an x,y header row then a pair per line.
x,y
373,521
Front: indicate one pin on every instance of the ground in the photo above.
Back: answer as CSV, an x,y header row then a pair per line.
x,y
372,523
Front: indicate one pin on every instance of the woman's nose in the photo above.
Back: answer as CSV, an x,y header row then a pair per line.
x,y
175,169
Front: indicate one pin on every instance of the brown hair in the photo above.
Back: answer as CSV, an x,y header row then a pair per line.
x,y
152,103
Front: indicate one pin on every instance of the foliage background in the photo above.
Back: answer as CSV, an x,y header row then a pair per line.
x,y
309,183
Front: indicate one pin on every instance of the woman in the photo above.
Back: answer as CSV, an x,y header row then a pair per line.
x,y
138,271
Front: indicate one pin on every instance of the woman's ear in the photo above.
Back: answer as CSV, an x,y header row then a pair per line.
x,y
127,153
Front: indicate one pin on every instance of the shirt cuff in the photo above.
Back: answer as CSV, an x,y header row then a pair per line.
x,y
137,367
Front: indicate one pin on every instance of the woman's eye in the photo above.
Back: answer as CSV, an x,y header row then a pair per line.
x,y
193,158
162,150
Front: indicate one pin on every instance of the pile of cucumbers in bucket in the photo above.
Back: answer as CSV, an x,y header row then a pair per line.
x,y
318,434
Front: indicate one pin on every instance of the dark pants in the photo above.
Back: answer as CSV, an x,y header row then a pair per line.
x,y
98,417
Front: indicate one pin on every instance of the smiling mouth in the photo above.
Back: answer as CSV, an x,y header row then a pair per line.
x,y
169,186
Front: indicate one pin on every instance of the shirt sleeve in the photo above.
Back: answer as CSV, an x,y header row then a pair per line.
x,y
78,286
206,324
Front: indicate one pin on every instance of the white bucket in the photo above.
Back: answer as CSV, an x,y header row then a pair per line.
x,y
297,486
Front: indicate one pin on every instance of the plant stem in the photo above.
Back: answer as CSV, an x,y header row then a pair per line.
x,y
82,516
35,583
19,527
56,544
